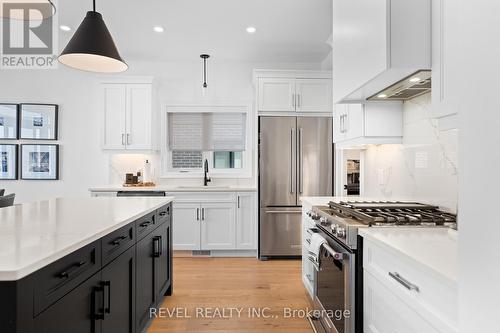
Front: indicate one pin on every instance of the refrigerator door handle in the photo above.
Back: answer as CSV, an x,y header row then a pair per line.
x,y
301,152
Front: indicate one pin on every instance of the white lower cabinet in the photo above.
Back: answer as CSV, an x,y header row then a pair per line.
x,y
384,312
218,226
246,221
186,226
201,222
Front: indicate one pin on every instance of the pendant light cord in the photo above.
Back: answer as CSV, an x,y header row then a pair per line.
x,y
93,3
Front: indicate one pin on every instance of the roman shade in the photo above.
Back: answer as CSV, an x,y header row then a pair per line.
x,y
207,131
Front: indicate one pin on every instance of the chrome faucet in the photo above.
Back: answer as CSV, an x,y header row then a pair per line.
x,y
206,180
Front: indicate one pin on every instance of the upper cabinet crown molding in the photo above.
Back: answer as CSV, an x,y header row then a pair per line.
x,y
377,43
293,91
130,119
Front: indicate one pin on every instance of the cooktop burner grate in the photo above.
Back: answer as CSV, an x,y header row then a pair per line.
x,y
393,213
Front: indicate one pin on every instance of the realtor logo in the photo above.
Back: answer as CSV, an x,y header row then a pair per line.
x,y
28,36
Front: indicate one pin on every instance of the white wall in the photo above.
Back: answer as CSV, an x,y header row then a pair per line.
x,y
83,163
423,168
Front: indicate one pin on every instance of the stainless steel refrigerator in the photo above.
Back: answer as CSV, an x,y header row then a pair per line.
x,y
295,159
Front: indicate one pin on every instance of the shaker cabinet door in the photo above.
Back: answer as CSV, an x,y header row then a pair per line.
x,y
246,221
277,94
186,221
114,116
218,226
138,116
314,95
145,281
76,312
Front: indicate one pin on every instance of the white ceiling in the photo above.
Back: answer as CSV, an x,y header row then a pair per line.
x,y
287,30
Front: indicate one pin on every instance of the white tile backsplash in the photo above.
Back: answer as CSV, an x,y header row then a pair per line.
x,y
422,168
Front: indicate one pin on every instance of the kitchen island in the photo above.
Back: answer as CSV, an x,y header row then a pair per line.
x,y
84,264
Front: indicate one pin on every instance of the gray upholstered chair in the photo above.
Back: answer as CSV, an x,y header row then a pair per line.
x,y
7,200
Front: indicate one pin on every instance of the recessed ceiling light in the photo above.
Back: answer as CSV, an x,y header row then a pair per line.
x,y
158,29
382,96
415,79
64,28
251,30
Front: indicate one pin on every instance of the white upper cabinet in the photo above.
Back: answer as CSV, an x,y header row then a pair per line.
x,y
369,123
313,95
128,116
284,91
445,77
276,94
377,43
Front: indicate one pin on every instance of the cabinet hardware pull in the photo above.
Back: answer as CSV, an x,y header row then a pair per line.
x,y
293,100
145,224
67,273
118,240
298,100
405,283
163,213
238,201
129,141
123,139
98,312
203,214
107,309
197,214
156,246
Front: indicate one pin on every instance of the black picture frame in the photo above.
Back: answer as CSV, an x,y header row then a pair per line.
x,y
16,159
56,161
21,118
16,123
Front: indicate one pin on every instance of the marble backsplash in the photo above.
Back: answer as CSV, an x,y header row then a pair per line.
x,y
423,168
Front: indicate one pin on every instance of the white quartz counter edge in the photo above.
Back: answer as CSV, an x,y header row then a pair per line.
x,y
117,188
25,270
411,243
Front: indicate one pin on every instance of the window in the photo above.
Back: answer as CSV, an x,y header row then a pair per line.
x,y
228,160
218,134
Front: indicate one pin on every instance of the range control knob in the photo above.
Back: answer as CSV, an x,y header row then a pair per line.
x,y
323,221
314,216
334,228
340,232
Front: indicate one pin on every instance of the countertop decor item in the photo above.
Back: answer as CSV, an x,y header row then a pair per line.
x,y
8,121
38,121
40,162
92,47
8,161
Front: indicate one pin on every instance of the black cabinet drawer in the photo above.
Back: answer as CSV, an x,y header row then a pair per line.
x,y
59,278
163,214
117,242
145,225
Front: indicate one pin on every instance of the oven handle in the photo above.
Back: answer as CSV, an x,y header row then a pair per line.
x,y
336,255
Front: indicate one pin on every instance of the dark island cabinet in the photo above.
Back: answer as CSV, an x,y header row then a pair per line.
x,y
154,271
107,286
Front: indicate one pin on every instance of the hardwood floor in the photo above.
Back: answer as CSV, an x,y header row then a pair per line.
x,y
244,284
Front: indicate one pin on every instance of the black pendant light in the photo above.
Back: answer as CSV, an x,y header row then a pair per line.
x,y
204,57
92,48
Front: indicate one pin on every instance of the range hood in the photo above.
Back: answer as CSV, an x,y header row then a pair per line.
x,y
411,86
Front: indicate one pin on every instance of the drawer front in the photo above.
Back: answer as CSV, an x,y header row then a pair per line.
x,y
434,297
163,215
204,196
59,278
145,225
117,242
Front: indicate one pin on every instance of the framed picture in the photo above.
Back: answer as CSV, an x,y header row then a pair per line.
x,y
8,121
8,160
38,121
40,162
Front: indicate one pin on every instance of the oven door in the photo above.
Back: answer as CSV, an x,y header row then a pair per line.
x,y
335,288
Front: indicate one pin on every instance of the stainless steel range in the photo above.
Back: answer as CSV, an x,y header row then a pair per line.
x,y
338,299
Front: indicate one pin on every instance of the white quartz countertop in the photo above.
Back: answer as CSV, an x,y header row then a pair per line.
x,y
36,234
209,188
435,248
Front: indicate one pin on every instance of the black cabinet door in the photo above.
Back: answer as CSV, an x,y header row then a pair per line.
x,y
80,311
145,280
162,260
118,280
